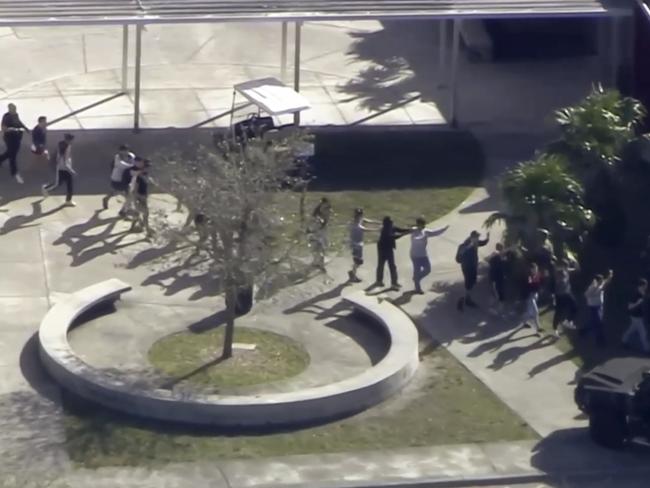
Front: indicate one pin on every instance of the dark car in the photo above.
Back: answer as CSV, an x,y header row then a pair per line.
x,y
616,397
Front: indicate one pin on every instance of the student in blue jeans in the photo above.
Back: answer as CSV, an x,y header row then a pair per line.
x,y
419,257
595,296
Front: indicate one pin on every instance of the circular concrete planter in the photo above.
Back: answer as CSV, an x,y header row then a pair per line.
x,y
306,406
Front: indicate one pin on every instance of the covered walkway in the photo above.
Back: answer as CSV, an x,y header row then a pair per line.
x,y
452,19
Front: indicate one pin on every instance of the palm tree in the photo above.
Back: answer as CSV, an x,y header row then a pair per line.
x,y
543,194
595,131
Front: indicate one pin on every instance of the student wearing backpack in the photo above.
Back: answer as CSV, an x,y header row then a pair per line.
x,y
467,257
121,165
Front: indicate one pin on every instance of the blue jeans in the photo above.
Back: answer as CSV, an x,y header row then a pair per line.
x,y
595,324
421,268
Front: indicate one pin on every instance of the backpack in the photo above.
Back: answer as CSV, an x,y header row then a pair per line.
x,y
460,251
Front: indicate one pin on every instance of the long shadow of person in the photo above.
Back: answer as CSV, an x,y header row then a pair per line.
x,y
312,304
23,221
510,355
81,245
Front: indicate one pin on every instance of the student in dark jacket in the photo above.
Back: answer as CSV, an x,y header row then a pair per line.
x,y
12,132
386,251
39,138
468,259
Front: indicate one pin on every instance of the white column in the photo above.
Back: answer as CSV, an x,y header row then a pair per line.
x,y
283,53
125,57
442,52
138,66
296,68
615,53
453,94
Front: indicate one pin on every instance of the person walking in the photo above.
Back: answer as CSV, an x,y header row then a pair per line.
x,y
467,257
636,309
357,230
12,132
419,256
139,190
64,170
497,275
122,162
39,139
531,309
386,252
565,303
595,297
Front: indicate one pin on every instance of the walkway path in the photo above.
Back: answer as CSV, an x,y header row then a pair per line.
x,y
528,374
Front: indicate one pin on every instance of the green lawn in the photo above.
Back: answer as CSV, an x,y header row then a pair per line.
x,y
403,206
444,404
190,357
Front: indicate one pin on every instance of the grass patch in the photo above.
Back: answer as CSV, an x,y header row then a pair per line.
x,y
195,358
404,206
444,404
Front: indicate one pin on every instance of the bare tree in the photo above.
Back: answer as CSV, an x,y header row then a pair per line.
x,y
236,195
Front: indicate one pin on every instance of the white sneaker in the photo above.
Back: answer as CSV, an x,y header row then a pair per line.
x,y
19,178
69,203
570,325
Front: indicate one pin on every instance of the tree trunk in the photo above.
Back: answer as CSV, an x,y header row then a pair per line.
x,y
231,302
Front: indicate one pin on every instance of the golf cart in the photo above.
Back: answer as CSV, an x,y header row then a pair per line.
x,y
277,108
616,397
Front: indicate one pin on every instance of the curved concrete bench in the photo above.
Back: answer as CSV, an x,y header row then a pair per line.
x,y
300,407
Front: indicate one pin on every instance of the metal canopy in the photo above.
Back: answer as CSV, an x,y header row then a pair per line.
x,y
98,12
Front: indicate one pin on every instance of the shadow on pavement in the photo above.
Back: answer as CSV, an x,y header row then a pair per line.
x,y
22,221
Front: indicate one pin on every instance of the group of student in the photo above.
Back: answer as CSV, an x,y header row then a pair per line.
x,y
129,174
552,277
467,254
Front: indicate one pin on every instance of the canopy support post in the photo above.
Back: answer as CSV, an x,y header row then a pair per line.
x,y
453,98
138,66
125,57
296,68
283,52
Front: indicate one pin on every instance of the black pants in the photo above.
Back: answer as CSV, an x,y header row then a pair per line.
x,y
12,141
565,309
470,274
63,176
386,256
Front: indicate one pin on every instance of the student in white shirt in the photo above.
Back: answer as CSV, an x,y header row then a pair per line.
x,y
121,165
64,170
595,297
357,229
419,257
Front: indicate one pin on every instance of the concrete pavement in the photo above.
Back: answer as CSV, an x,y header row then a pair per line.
x,y
354,73
57,250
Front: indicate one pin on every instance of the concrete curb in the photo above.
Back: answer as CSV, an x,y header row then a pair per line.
x,y
471,482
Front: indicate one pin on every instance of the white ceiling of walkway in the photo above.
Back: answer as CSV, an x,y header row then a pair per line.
x,y
96,12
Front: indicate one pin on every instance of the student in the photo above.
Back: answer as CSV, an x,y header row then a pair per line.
x,y
419,256
386,252
595,296
357,229
12,132
64,170
497,276
122,162
531,310
139,190
317,236
323,211
39,138
565,303
636,310
467,257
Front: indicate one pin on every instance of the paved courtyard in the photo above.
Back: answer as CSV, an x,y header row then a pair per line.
x,y
354,73
48,251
